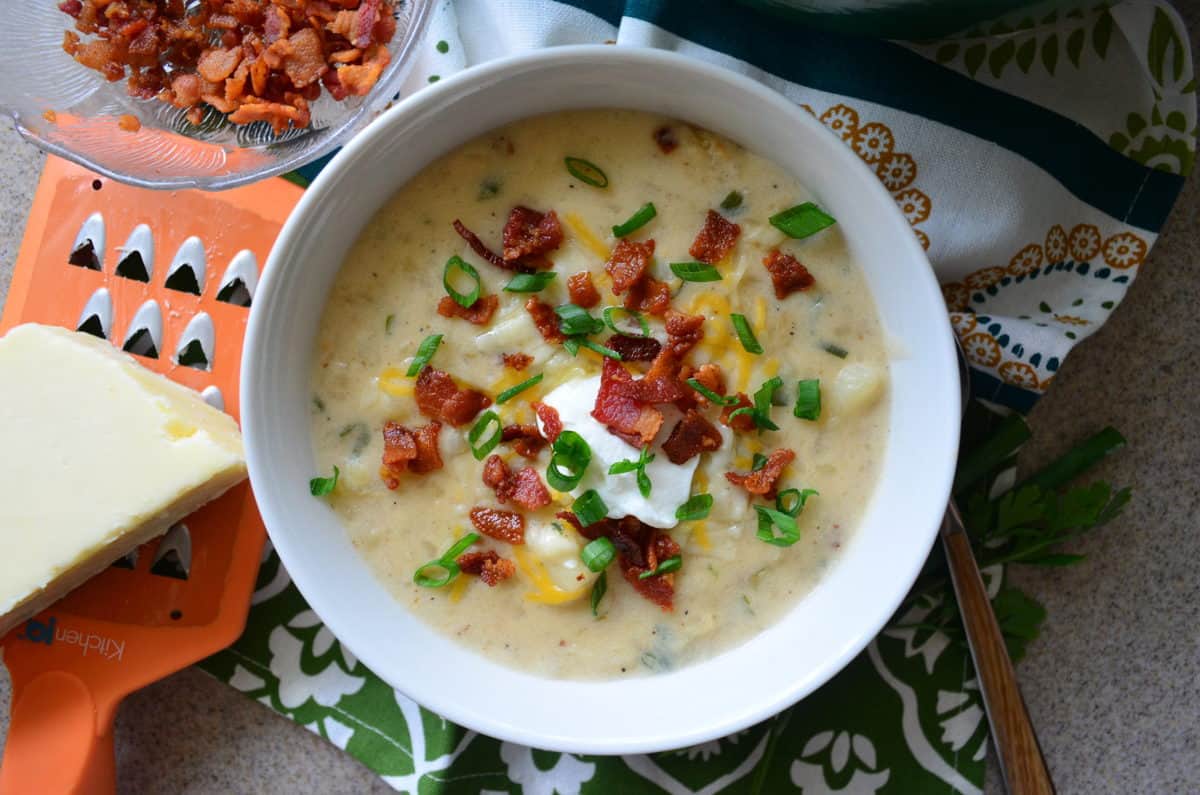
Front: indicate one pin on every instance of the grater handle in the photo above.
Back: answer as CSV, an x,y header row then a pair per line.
x,y
60,739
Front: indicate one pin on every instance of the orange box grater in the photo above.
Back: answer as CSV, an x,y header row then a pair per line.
x,y
168,277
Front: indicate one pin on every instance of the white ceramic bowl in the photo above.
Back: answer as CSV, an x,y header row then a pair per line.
x,y
746,684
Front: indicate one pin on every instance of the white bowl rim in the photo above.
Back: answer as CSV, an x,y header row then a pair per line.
x,y
938,461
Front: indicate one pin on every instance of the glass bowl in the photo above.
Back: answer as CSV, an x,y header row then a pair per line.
x,y
72,111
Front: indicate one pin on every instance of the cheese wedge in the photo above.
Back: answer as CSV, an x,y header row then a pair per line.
x,y
97,456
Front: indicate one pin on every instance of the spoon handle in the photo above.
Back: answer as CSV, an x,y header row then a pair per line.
x,y
1021,762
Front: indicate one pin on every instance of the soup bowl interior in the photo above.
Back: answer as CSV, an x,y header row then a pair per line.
x,y
821,633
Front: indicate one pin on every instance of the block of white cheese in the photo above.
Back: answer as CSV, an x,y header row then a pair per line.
x,y
97,456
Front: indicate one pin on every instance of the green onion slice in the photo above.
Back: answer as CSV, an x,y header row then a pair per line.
x,y
598,591
697,507
513,391
664,567
586,172
732,200
808,399
610,313
791,501
744,334
710,395
574,320
388,323
802,221
603,350
758,462
589,507
598,554
836,350
529,282
696,272
319,487
569,459
465,300
636,221
445,569
762,404
425,352
770,520
481,449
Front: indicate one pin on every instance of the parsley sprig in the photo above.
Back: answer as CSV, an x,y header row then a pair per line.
x,y
639,467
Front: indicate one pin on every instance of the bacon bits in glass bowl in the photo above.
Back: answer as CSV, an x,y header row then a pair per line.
x,y
205,94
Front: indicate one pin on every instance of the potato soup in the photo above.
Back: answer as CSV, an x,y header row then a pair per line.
x,y
605,393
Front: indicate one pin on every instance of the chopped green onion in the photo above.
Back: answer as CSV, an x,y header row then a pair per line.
x,y
513,391
600,349
461,545
836,350
770,520
598,591
529,282
610,311
697,507
465,300
587,172
488,188
598,554
319,487
761,411
572,345
446,563
803,220
808,399
636,221
480,451
732,200
758,462
744,334
425,352
572,452
589,507
387,324
710,395
638,466
664,567
696,272
574,320
791,501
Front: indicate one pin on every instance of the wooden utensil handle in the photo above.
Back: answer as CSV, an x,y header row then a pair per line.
x,y
1021,762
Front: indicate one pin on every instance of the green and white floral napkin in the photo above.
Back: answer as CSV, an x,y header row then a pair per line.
x,y
1036,158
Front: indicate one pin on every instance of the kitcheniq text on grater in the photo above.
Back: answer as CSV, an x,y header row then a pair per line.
x,y
169,278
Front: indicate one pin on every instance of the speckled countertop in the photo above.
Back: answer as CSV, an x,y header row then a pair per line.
x,y
1113,682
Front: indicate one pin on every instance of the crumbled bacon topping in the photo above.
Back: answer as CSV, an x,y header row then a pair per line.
x,y
480,248
551,423
545,320
742,422
628,264
530,234
690,437
525,488
517,361
487,566
710,377
439,398
664,136
525,439
626,417
583,291
640,548
684,332
716,238
480,313
650,296
634,349
500,525
787,274
405,450
764,482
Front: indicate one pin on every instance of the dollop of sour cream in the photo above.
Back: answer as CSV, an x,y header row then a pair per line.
x,y
671,484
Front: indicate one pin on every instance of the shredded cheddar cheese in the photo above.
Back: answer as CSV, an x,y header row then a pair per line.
x,y
546,592
458,589
393,381
587,237
760,316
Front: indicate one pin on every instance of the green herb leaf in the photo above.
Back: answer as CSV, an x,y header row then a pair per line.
x,y
636,221
1007,439
574,320
388,323
744,334
638,466
488,189
664,567
465,300
770,520
697,507
529,282
598,590
835,350
803,220
610,313
597,554
711,396
480,449
732,200
569,459
513,391
589,507
425,352
696,272
320,487
758,462
586,172
808,399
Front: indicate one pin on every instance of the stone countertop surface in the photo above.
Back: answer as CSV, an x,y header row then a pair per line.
x,y
1111,682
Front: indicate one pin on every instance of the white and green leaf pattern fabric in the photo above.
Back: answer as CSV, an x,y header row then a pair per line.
x,y
1035,156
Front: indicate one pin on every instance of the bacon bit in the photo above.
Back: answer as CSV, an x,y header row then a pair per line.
x,y
129,123
684,332
525,487
216,65
765,481
691,436
306,62
742,422
480,312
715,239
439,398
487,566
72,7
276,113
710,377
583,292
665,138
551,423
525,438
659,589
479,248
625,417
787,274
650,296
364,23
545,320
50,116
529,233
358,79
405,450
517,361
628,263
501,525
634,349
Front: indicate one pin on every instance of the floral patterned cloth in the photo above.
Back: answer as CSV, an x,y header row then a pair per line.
x,y
1035,157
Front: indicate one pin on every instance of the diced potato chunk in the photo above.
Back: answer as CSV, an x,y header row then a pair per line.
x,y
559,553
856,388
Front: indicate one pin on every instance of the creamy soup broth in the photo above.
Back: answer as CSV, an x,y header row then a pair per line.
x,y
730,585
